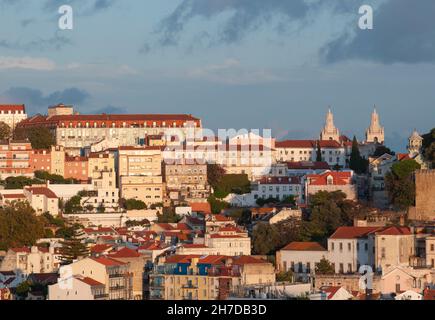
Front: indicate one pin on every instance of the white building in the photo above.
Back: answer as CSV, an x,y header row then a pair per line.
x,y
77,288
12,114
278,188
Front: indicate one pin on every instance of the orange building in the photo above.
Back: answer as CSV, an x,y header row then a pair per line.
x,y
76,168
15,158
41,160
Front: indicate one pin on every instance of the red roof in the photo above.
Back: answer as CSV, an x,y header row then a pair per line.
x,y
125,253
42,191
352,232
193,246
280,180
100,248
338,178
90,281
394,231
429,294
21,250
14,196
304,246
12,107
331,291
402,156
213,259
108,261
305,165
200,207
247,260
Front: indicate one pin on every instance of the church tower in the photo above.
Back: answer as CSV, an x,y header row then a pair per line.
x,y
415,143
375,133
330,132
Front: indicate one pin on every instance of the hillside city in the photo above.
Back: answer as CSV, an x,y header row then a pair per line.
x,y
157,207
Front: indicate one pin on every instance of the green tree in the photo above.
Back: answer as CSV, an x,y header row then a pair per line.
x,y
265,239
232,183
73,205
400,184
356,162
168,216
284,276
19,226
5,131
73,248
39,137
217,205
12,183
133,204
324,267
215,172
319,153
381,150
23,289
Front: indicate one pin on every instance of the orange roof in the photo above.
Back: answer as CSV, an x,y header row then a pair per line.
x,y
247,260
429,294
304,246
307,144
42,191
402,156
21,250
125,253
352,232
90,281
12,107
200,207
14,196
394,231
108,261
99,248
339,178
331,291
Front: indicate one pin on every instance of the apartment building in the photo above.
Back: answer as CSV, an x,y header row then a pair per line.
x,y
278,188
186,181
30,260
15,159
12,114
77,288
113,274
75,131
301,258
193,277
331,181
42,200
76,168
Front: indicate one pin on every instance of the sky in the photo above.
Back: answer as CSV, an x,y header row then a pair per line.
x,y
275,64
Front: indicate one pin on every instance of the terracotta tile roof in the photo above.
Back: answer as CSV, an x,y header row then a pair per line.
x,y
304,246
200,207
12,107
263,210
182,258
14,196
223,236
212,259
90,281
124,253
248,260
352,232
21,250
100,248
42,191
429,294
305,165
307,144
331,291
193,246
394,231
106,261
339,178
402,156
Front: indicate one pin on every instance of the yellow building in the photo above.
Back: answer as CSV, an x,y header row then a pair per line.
x,y
100,162
140,161
147,189
58,160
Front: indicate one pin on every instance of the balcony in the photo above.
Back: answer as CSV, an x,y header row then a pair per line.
x,y
190,286
101,296
117,288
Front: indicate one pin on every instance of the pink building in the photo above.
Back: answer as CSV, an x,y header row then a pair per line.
x,y
331,181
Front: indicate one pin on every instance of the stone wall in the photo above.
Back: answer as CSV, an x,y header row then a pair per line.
x,y
425,196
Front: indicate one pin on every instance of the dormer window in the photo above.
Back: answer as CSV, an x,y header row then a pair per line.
x,y
330,180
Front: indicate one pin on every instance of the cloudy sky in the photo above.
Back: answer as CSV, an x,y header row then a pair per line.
x,y
235,63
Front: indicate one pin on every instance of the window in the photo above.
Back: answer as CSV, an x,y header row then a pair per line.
x,y
341,246
349,247
432,247
349,267
341,270
332,246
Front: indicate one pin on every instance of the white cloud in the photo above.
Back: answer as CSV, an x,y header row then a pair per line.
x,y
39,64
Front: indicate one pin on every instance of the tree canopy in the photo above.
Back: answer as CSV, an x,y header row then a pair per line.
x,y
73,248
5,131
356,162
39,137
232,183
400,184
19,226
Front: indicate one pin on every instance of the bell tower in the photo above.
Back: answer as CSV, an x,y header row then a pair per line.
x,y
330,132
375,133
415,143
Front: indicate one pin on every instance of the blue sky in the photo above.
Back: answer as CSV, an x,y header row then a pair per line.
x,y
235,63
